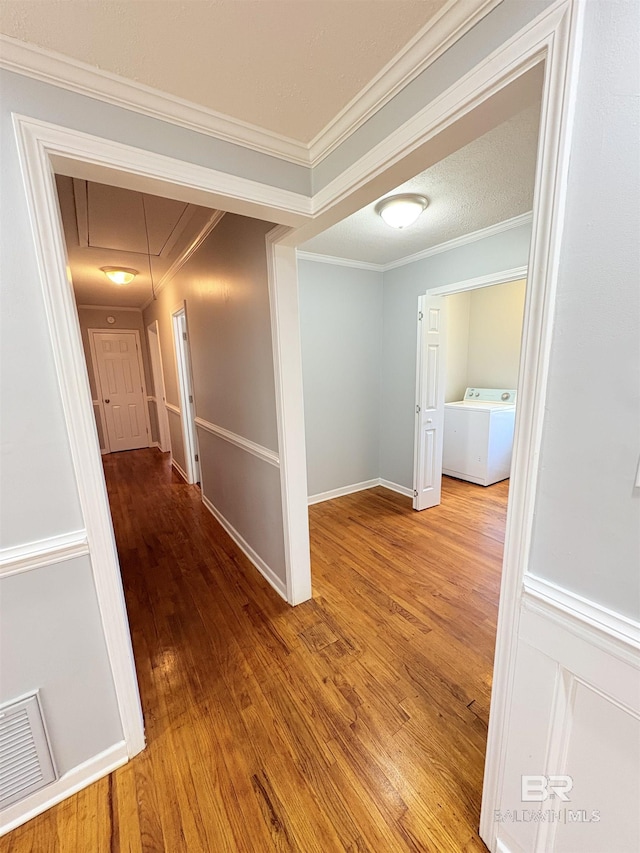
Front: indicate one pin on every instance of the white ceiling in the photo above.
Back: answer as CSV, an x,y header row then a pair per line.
x,y
105,226
285,65
483,183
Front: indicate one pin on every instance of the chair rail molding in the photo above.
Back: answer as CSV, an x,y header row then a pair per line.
x,y
44,552
258,450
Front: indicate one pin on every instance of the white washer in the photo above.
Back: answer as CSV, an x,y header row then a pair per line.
x,y
478,435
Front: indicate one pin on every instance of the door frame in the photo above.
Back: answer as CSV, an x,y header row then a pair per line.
x,y
182,355
157,372
465,286
553,37
96,375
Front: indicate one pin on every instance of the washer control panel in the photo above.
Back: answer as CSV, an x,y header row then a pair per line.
x,y
492,395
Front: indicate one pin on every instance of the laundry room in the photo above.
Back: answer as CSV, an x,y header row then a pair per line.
x,y
483,335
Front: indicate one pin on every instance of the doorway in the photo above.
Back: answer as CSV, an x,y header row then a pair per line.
x,y
191,461
435,387
159,398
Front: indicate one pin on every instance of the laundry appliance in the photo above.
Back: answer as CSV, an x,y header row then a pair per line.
x,y
478,435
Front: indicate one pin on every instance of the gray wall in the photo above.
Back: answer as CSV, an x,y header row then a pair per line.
x,y
402,287
341,326
587,511
225,288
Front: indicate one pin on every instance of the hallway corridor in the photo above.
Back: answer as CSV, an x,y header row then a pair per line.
x,y
354,722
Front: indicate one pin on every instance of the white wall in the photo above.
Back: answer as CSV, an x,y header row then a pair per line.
x,y
341,325
402,287
225,288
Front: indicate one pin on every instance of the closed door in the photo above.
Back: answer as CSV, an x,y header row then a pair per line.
x,y
121,387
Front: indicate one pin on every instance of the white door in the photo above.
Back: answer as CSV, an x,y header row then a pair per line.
x,y
164,437
122,390
430,379
187,400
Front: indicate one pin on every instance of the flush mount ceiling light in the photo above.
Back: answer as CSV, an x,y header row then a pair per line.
x,y
119,275
398,211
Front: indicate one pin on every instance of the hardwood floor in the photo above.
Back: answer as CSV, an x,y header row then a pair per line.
x,y
354,722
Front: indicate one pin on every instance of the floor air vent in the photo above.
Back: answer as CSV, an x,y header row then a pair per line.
x,y
25,759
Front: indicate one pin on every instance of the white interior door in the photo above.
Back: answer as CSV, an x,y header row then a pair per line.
x,y
122,388
430,380
164,437
187,401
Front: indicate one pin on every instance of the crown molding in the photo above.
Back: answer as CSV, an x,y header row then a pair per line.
x,y
51,67
455,19
338,262
464,240
451,23
184,256
456,243
108,308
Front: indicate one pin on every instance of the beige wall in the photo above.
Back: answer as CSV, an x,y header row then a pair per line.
x,y
484,329
495,330
458,305
96,318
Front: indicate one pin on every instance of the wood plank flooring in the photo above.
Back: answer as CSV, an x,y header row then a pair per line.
x,y
353,723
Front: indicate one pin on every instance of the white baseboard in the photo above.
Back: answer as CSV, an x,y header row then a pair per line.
x,y
70,783
396,487
343,490
358,487
179,470
265,570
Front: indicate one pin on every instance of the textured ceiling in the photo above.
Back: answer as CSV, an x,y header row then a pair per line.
x,y
104,226
285,65
483,183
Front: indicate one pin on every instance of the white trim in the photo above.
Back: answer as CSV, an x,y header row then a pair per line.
x,y
108,308
502,277
580,614
157,371
51,67
182,355
44,552
179,469
70,783
319,497
451,22
258,450
265,570
396,487
556,35
449,245
184,256
175,410
338,262
464,240
35,151
359,487
90,157
282,276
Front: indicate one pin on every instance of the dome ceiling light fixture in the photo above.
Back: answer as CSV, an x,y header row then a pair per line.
x,y
119,275
399,211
